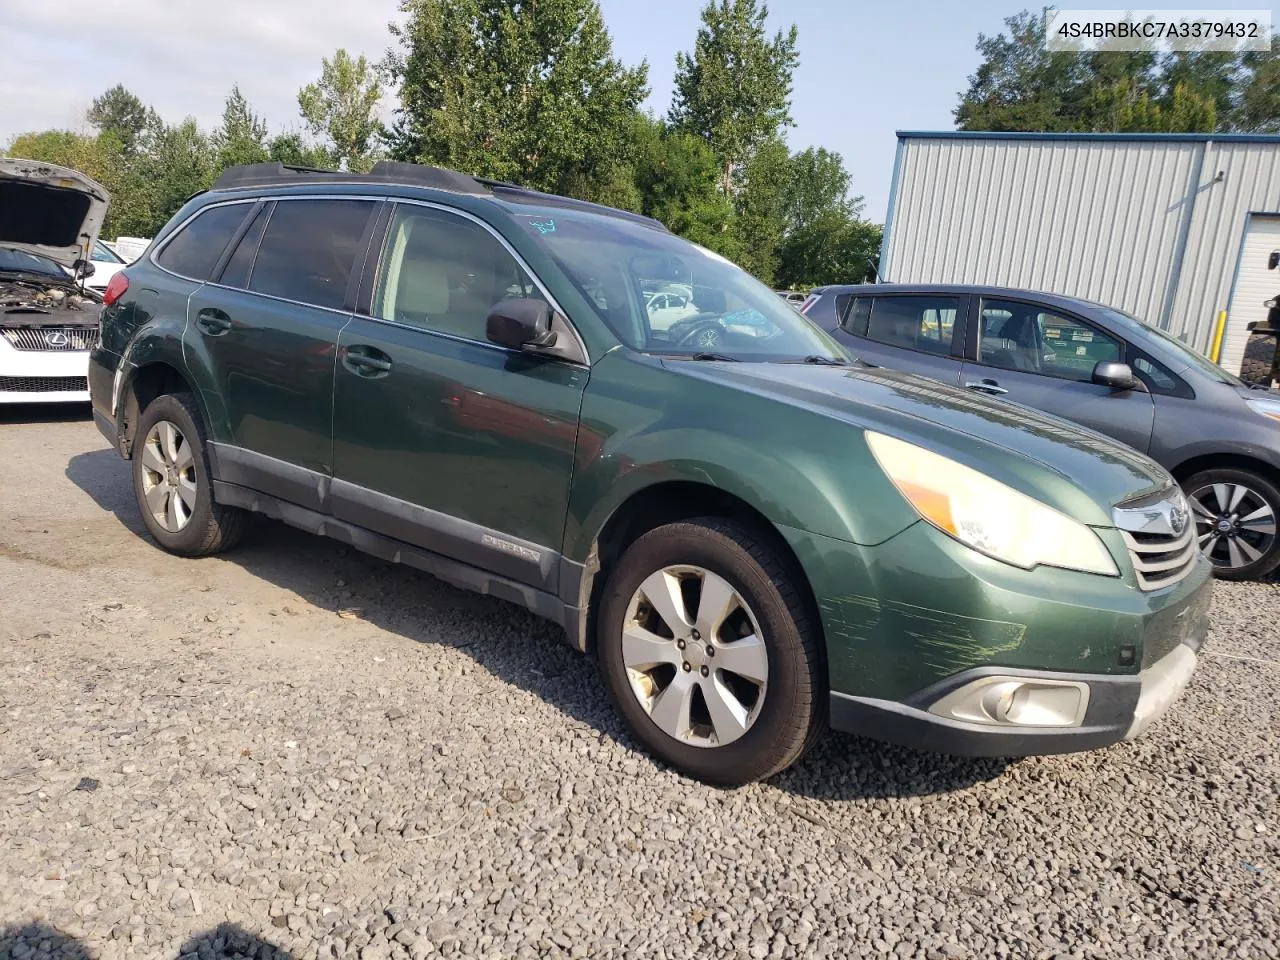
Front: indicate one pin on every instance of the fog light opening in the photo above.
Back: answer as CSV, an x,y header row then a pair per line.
x,y
1014,701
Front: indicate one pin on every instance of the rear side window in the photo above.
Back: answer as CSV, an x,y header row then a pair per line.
x,y
195,251
309,249
240,265
924,323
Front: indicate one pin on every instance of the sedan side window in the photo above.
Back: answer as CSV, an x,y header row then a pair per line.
x,y
195,251
445,273
924,323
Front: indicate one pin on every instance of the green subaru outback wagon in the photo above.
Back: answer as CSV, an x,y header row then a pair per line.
x,y
569,407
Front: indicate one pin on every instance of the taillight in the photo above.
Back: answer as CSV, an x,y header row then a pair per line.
x,y
116,289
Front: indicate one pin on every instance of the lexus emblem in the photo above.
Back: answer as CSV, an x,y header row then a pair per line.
x,y
1178,517
56,338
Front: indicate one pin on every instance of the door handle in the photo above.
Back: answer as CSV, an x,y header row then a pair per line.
x,y
986,386
368,362
213,322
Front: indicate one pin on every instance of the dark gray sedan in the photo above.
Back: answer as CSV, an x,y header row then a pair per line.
x,y
1100,367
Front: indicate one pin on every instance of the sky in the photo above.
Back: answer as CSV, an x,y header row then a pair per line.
x,y
866,70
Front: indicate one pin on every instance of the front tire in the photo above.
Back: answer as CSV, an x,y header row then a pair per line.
x,y
173,484
1236,513
709,652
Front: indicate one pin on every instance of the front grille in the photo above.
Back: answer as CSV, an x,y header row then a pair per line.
x,y
44,384
51,338
1160,537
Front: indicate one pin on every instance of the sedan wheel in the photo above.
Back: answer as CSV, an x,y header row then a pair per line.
x,y
169,476
695,656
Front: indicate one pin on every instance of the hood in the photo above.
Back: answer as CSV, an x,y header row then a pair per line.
x,y
1080,472
51,211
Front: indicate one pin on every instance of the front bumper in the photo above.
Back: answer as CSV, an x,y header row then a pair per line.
x,y
1120,708
38,376
920,624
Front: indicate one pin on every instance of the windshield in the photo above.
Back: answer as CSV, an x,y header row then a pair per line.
x,y
19,261
1193,358
661,294
104,254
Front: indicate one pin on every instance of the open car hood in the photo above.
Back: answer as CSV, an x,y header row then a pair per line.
x,y
48,210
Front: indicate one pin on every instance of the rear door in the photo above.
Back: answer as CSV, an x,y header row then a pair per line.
x,y
443,439
266,330
1038,355
917,333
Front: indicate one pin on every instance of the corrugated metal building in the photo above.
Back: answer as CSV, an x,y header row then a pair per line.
x,y
1173,228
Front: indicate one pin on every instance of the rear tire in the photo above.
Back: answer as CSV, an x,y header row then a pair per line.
x,y
1229,506
173,484
751,681
1259,351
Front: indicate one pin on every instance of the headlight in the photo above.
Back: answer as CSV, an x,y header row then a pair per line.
x,y
1268,408
987,515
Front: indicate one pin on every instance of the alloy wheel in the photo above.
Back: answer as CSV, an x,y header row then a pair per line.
x,y
1235,525
169,476
695,657
708,338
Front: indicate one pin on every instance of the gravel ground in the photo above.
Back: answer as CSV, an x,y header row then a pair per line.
x,y
296,750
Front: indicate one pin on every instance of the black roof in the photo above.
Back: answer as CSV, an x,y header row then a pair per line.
x,y
411,175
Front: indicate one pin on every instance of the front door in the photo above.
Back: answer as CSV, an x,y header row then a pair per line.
x,y
268,329
441,438
1032,354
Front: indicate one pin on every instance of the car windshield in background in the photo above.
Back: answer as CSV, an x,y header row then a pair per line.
x,y
1176,346
663,295
104,254
19,261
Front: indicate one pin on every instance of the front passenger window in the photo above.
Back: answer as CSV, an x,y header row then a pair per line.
x,y
445,273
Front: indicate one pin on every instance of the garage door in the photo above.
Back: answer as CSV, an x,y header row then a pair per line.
x,y
1254,284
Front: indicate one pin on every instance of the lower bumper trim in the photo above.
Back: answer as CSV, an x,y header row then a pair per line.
x,y
912,727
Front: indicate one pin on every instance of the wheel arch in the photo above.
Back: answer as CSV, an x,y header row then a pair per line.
x,y
145,382
671,501
1231,461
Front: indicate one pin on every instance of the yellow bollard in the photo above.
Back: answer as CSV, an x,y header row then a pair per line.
x,y
1219,329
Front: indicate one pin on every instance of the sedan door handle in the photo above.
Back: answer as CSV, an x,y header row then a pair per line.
x,y
213,322
369,362
986,386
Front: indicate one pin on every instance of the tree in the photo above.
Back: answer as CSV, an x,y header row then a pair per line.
x,y
513,90
734,89
1021,86
342,107
676,175
242,135
762,209
1259,105
292,150
121,114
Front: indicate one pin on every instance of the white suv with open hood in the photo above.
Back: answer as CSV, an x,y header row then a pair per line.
x,y
49,221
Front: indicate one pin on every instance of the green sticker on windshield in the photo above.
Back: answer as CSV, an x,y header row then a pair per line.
x,y
544,226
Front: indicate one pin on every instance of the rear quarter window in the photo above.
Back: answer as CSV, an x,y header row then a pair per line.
x,y
197,247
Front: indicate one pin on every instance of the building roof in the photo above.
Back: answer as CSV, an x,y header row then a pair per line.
x,y
1271,138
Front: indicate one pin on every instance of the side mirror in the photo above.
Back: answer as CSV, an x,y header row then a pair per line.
x,y
1117,376
523,324
83,269
1273,261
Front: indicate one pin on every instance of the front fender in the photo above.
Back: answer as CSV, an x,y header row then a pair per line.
x,y
643,425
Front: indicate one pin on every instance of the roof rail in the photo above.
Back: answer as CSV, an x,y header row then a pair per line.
x,y
384,171
512,191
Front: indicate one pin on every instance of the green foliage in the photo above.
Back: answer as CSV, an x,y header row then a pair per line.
x,y
242,135
514,91
342,106
1021,86
121,114
734,89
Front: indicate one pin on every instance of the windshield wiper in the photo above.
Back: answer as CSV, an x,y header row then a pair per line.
x,y
822,361
713,356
